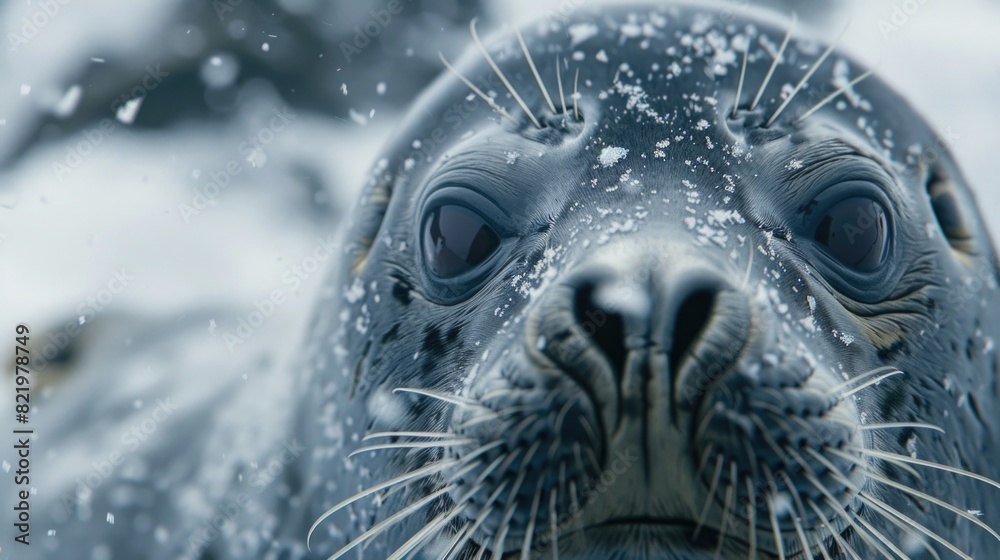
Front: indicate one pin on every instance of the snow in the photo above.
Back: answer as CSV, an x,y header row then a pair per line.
x,y
611,155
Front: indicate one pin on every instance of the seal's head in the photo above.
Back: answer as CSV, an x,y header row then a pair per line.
x,y
688,287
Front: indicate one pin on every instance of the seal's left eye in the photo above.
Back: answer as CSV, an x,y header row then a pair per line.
x,y
457,240
855,231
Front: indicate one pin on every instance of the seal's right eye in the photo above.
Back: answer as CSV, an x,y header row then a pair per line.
x,y
457,240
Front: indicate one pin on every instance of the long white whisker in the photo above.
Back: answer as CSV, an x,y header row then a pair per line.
x,y
489,100
413,445
727,509
390,521
778,542
880,536
870,383
529,533
809,73
576,94
739,86
859,378
941,503
833,95
421,536
562,98
797,521
774,63
531,63
810,475
716,476
450,399
930,464
880,505
829,527
407,434
892,425
499,73
428,470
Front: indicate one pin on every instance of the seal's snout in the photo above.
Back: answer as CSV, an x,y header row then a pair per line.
x,y
690,370
645,337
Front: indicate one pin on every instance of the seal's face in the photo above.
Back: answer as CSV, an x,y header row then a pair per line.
x,y
679,318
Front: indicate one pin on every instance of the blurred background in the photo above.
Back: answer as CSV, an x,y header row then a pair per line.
x,y
167,165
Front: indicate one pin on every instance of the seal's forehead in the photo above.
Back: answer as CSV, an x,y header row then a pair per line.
x,y
647,61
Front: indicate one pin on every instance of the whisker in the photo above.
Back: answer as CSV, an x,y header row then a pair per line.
x,y
703,462
450,399
929,464
833,95
501,537
746,275
529,533
413,445
797,521
421,536
880,505
553,524
413,475
716,476
859,378
774,526
892,425
752,519
941,503
777,59
407,434
531,63
488,509
870,383
390,521
489,100
576,94
499,73
910,531
829,527
880,536
810,475
562,98
727,509
812,69
739,86
461,538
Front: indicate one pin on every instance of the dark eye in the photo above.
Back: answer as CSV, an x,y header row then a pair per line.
x,y
457,240
856,232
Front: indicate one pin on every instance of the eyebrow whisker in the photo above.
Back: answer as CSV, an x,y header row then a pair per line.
x,y
774,63
499,73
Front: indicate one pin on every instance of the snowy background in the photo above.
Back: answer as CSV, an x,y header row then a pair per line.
x,y
116,116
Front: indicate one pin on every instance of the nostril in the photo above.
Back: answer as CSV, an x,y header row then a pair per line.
x,y
603,325
691,320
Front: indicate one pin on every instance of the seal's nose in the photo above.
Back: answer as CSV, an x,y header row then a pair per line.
x,y
644,334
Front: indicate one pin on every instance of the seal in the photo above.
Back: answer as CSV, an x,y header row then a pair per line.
x,y
651,283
